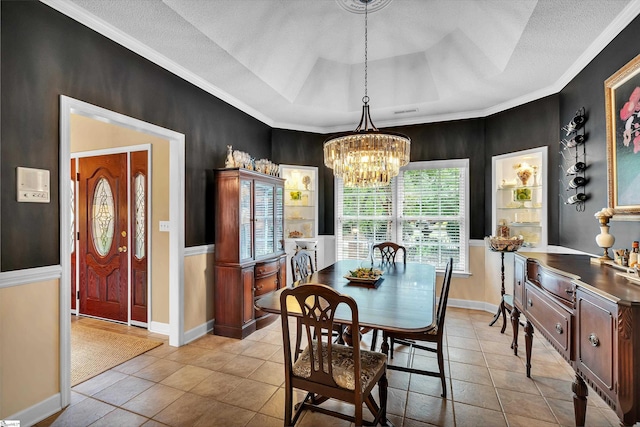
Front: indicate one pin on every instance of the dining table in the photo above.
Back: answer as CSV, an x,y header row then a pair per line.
x,y
403,299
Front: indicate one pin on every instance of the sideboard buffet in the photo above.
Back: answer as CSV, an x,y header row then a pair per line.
x,y
249,248
591,316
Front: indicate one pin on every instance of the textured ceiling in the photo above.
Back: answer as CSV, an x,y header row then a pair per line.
x,y
299,64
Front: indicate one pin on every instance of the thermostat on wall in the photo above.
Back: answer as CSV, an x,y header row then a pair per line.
x,y
32,185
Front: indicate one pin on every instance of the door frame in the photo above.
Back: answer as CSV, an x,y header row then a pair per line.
x,y
149,247
176,140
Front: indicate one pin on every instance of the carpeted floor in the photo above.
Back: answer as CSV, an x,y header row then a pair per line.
x,y
94,351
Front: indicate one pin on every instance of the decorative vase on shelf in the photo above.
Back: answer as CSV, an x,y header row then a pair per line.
x,y
604,239
524,172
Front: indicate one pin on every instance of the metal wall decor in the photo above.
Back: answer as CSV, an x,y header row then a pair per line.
x,y
574,165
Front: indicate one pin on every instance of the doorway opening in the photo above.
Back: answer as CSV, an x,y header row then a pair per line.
x,y
166,316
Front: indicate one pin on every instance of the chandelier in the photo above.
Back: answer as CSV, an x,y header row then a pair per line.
x,y
366,157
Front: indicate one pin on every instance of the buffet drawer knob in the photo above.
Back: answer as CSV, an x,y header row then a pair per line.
x,y
593,339
559,328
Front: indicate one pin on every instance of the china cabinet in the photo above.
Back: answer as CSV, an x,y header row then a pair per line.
x,y
519,182
249,247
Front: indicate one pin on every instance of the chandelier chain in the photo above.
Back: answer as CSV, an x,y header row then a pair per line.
x,y
365,99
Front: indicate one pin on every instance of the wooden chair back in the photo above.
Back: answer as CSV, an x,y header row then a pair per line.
x,y
389,251
301,265
317,305
444,296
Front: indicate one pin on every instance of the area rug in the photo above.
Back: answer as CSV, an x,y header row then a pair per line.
x,y
94,351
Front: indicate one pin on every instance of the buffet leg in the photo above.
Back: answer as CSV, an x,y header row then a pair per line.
x,y
515,324
580,392
528,341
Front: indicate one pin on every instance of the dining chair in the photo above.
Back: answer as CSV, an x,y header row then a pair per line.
x,y
434,335
327,370
389,250
301,265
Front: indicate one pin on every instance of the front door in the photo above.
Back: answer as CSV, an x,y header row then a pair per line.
x,y
103,222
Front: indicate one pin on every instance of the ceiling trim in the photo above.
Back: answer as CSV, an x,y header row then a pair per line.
x,y
75,12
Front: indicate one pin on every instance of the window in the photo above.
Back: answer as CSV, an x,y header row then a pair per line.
x,y
424,209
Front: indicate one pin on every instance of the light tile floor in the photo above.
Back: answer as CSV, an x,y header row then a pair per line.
x,y
217,381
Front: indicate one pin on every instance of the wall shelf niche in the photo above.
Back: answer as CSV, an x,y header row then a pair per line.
x,y
519,183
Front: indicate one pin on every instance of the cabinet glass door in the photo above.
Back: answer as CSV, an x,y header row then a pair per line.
x,y
279,225
245,219
264,216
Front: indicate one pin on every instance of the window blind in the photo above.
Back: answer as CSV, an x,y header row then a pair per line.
x,y
424,209
431,222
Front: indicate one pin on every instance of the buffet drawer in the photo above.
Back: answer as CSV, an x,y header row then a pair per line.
x,y
596,324
558,285
551,319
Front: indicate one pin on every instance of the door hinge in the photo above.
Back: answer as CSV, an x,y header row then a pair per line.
x,y
77,294
78,235
78,176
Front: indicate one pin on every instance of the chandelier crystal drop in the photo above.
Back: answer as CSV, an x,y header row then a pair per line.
x,y
366,157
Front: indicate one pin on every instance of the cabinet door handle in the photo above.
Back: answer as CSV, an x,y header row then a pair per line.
x,y
529,302
559,328
569,291
593,339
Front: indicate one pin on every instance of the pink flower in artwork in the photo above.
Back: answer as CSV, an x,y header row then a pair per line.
x,y
632,106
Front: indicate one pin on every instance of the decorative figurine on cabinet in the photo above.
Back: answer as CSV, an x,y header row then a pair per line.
x,y
229,162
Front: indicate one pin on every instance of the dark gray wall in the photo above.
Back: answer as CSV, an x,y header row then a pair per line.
x,y
578,229
46,54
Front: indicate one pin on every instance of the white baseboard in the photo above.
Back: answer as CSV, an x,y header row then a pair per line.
x,y
39,411
198,331
473,305
159,328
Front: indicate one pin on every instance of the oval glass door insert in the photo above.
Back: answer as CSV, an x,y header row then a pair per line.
x,y
103,217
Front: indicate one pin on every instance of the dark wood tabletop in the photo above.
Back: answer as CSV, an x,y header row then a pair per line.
x,y
402,300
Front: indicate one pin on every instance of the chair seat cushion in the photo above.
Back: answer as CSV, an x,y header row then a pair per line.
x,y
342,360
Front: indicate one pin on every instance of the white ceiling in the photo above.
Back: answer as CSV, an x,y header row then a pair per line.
x,y
299,64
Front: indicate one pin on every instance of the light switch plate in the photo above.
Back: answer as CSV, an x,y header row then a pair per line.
x,y
165,226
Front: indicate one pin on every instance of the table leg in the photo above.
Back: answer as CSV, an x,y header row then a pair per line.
x,y
385,344
580,392
515,324
501,309
528,341
346,336
497,315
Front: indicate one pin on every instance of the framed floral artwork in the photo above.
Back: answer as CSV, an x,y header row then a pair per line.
x,y
622,106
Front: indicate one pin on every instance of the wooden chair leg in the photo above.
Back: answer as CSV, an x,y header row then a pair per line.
x,y
383,383
441,367
288,405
